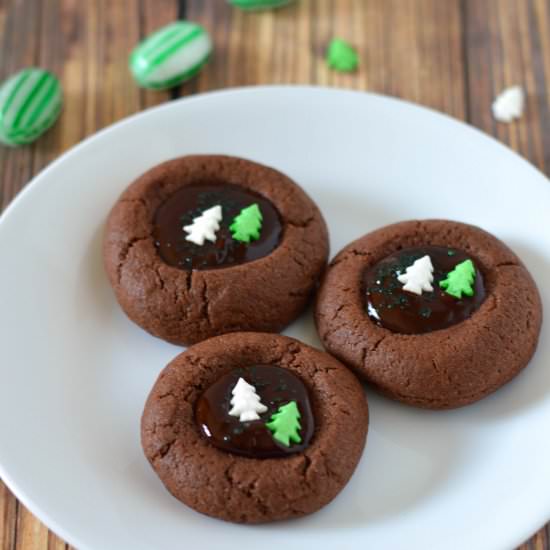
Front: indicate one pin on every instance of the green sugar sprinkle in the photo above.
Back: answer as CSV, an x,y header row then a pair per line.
x,y
342,56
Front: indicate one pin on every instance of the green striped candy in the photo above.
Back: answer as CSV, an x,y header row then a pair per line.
x,y
170,55
259,4
30,102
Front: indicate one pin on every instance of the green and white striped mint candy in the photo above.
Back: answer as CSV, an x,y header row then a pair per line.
x,y
30,102
259,4
170,55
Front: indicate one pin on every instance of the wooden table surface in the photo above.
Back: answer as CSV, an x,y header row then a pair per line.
x,y
452,55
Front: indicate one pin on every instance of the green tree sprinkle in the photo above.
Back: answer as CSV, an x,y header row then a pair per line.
x,y
247,225
460,280
342,56
285,424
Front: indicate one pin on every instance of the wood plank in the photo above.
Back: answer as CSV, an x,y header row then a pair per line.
x,y
508,43
87,45
20,47
31,533
540,541
8,518
89,51
411,50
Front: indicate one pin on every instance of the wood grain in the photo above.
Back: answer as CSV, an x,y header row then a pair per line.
x,y
451,55
507,42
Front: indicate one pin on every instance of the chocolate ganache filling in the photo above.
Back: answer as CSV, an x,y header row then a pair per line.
x,y
399,310
189,202
275,387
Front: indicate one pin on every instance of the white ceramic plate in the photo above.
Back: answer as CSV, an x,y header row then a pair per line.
x,y
75,372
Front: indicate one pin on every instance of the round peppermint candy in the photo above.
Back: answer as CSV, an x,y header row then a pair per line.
x,y
170,55
30,102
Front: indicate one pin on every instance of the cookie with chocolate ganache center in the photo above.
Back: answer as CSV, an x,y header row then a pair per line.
x,y
208,244
433,313
254,427
391,304
258,411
